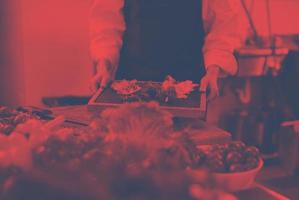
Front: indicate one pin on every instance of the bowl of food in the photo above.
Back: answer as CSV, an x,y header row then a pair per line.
x,y
233,166
236,181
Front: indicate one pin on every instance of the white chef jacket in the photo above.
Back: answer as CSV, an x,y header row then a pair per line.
x,y
223,23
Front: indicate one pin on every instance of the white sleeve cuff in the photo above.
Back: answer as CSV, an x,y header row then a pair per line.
x,y
226,60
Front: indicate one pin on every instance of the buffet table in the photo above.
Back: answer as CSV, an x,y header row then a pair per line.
x,y
60,168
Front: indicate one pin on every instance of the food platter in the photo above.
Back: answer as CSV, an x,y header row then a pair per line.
x,y
193,105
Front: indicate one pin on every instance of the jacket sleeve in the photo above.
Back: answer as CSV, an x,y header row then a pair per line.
x,y
106,29
225,30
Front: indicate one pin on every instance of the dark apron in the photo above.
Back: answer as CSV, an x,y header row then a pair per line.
x,y
162,37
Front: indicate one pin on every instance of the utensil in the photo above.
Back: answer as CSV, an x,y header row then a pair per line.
x,y
46,114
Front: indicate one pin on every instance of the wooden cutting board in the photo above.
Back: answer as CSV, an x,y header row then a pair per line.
x,y
195,106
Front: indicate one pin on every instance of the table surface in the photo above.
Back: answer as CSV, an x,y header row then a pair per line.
x,y
259,192
202,132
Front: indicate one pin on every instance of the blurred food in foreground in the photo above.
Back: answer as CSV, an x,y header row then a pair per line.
x,y
130,152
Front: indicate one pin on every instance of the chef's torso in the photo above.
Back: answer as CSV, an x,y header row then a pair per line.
x,y
162,37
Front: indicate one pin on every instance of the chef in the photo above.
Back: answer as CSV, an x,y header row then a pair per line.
x,y
150,39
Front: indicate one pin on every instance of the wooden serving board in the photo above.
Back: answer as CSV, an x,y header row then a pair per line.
x,y
195,106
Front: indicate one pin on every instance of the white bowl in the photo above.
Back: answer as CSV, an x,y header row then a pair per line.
x,y
237,181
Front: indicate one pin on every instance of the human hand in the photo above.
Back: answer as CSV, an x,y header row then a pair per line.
x,y
105,74
210,82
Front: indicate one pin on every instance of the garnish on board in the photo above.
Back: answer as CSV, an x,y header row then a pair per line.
x,y
149,91
125,87
181,89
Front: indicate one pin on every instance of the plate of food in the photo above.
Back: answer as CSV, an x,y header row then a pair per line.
x,y
181,98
